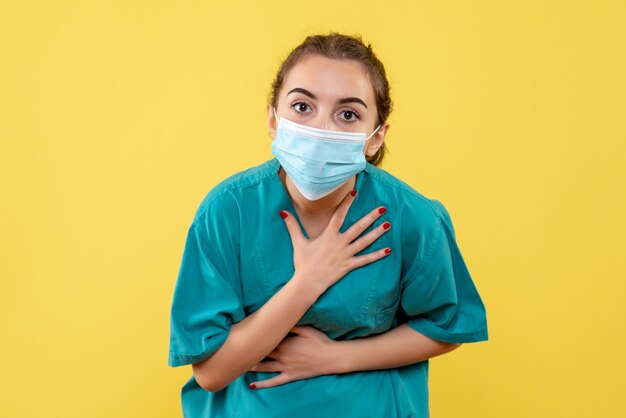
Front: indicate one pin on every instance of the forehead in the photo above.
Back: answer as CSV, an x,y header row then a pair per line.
x,y
330,78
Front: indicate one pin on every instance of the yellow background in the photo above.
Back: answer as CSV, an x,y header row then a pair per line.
x,y
117,117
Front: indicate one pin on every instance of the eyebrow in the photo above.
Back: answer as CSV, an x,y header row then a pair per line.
x,y
340,101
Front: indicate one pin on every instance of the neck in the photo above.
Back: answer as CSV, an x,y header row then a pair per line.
x,y
324,206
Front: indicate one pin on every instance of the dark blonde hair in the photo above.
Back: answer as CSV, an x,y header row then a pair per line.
x,y
338,46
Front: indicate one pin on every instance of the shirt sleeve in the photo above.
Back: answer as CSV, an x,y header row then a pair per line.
x,y
438,296
207,296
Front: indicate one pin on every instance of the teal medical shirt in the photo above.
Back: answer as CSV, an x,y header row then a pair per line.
x,y
238,254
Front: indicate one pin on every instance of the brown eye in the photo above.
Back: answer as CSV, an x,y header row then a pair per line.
x,y
349,116
300,107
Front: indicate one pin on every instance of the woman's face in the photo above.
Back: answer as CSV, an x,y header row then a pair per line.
x,y
329,94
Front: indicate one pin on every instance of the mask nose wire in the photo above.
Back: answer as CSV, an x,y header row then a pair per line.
x,y
370,135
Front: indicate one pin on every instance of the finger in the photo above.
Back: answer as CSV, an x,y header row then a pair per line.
x,y
274,381
365,241
292,226
361,225
274,354
340,213
266,366
369,258
301,330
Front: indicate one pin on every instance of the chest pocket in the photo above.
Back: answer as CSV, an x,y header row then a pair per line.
x,y
348,301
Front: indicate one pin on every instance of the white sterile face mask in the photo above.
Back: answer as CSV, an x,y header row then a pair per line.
x,y
318,161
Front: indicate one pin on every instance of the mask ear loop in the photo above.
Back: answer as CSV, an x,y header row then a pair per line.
x,y
275,115
370,135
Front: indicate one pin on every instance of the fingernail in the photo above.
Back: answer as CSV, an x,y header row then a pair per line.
x,y
387,250
386,225
283,214
252,386
382,210
353,193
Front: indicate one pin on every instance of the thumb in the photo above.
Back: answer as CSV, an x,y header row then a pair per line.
x,y
303,330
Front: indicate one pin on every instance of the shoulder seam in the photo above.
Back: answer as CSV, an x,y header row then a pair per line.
x,y
203,209
405,188
228,189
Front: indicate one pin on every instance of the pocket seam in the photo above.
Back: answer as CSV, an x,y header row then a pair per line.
x,y
384,313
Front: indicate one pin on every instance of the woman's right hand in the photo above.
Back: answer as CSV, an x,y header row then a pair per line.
x,y
329,257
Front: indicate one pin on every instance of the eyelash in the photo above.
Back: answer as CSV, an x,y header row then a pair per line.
x,y
356,116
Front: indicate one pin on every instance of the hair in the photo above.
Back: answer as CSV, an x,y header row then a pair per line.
x,y
342,47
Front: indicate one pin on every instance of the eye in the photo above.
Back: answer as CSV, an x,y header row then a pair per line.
x,y
350,116
300,107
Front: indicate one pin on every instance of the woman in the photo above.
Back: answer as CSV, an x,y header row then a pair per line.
x,y
345,295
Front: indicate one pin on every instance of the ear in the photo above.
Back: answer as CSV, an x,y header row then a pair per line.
x,y
271,121
374,143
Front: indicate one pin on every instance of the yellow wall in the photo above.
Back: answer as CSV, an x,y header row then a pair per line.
x,y
117,117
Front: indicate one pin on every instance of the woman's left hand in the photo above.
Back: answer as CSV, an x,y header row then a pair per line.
x,y
308,354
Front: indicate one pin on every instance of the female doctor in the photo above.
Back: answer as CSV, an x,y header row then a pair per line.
x,y
316,283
